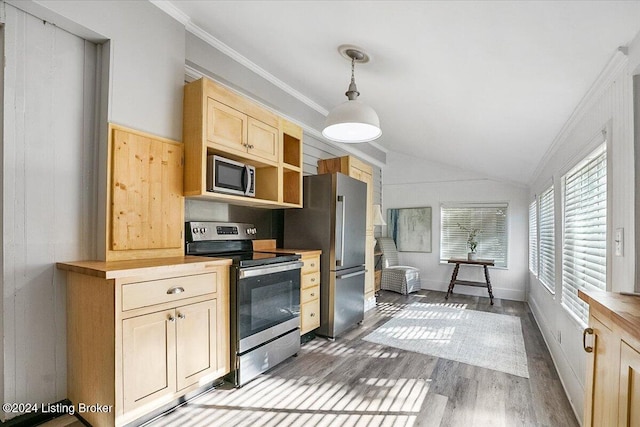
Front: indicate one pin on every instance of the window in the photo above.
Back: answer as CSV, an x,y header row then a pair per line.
x,y
490,219
547,241
584,264
533,237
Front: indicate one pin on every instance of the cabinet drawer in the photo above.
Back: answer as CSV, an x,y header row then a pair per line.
x,y
311,265
312,279
143,294
309,294
310,316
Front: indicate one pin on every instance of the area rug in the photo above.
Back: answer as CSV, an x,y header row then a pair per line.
x,y
450,331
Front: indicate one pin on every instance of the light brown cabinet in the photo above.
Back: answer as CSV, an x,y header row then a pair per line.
x,y
362,171
145,217
219,121
149,351
612,388
310,293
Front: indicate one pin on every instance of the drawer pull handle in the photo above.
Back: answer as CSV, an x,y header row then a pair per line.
x,y
171,319
313,264
182,316
175,290
313,279
251,146
313,294
589,331
312,315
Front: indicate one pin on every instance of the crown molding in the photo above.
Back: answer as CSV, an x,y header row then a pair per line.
x,y
170,9
604,80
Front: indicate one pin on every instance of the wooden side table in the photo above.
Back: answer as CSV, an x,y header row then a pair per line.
x,y
460,261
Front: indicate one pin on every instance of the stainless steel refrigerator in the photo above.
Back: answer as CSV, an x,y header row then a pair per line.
x,y
333,218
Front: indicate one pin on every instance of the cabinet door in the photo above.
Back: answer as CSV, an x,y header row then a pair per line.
x,y
263,140
146,193
226,127
148,358
601,403
629,413
196,345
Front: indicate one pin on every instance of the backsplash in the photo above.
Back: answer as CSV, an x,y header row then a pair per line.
x,y
267,221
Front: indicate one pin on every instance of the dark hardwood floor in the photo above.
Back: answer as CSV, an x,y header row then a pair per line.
x,y
356,382
352,382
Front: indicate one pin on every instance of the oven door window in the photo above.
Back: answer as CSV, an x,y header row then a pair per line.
x,y
268,300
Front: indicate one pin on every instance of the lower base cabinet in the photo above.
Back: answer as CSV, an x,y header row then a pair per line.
x,y
139,342
310,293
612,340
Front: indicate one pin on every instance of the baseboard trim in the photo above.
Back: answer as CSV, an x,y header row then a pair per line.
x,y
39,417
533,304
501,293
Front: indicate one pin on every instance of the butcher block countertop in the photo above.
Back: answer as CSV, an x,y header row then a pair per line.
x,y
624,310
270,245
138,267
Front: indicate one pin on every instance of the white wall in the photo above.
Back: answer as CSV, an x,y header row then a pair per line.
x,y
49,203
607,105
414,182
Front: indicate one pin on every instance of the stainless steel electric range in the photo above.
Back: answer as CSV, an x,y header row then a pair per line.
x,y
264,296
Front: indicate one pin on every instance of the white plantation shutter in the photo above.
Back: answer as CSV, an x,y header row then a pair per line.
x,y
584,264
491,219
547,241
533,237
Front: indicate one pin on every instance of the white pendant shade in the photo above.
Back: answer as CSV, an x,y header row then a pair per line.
x,y
352,122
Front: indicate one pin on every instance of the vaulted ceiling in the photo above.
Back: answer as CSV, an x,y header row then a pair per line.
x,y
481,85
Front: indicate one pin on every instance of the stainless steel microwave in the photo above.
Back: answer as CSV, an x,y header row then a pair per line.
x,y
231,177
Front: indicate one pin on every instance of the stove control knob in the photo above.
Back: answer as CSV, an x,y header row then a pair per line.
x,y
203,230
195,230
248,231
255,231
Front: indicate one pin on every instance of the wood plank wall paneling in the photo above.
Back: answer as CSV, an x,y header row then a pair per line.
x,y
48,197
314,150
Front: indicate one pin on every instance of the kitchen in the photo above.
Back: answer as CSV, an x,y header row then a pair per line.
x,y
35,361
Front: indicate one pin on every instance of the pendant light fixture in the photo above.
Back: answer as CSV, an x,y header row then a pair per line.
x,y
352,121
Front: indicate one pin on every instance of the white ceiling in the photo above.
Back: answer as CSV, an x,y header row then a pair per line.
x,y
485,86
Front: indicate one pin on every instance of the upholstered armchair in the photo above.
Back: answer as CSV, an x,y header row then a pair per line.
x,y
398,278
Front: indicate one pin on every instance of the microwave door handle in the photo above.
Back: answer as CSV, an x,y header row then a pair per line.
x,y
246,176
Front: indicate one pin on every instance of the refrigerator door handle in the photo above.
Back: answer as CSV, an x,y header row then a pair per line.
x,y
343,201
346,276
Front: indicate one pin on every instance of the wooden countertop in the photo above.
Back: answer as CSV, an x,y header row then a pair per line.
x,y
624,310
118,269
310,252
269,245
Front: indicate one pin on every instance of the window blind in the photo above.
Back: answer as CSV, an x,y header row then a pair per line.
x,y
584,264
490,219
547,240
533,237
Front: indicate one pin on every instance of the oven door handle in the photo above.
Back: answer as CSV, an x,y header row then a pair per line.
x,y
276,268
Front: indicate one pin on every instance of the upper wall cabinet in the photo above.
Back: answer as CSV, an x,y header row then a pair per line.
x,y
220,122
145,217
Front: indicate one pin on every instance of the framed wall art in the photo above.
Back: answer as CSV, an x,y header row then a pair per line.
x,y
410,228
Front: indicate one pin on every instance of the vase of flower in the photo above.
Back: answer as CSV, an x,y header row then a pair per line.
x,y
472,242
